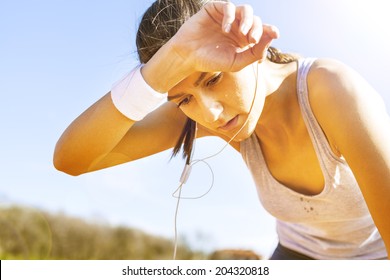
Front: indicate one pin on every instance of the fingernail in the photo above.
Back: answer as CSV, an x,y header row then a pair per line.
x,y
275,30
256,35
227,27
244,28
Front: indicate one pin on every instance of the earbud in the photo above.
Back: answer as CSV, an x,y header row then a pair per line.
x,y
185,174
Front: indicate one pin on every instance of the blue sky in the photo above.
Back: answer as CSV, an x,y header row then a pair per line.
x,y
58,57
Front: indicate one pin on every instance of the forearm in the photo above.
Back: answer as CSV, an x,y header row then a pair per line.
x,y
166,68
90,137
86,144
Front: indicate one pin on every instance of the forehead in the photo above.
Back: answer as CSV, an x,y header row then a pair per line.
x,y
193,80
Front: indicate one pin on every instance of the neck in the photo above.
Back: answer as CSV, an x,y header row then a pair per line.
x,y
280,89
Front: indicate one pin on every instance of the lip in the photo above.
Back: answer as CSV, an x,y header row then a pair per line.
x,y
230,124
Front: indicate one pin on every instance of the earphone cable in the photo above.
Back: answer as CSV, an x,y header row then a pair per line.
x,y
187,168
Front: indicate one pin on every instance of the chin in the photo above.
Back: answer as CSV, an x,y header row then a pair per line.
x,y
246,132
250,126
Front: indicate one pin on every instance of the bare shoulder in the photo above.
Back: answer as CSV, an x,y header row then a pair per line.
x,y
339,96
330,78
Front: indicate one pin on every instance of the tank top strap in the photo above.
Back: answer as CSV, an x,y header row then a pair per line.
x,y
321,144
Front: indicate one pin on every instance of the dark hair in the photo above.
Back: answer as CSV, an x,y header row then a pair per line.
x,y
158,25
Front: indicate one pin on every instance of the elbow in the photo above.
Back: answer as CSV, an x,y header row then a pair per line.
x,y
66,168
62,164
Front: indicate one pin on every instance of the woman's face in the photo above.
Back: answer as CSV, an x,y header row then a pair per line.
x,y
222,102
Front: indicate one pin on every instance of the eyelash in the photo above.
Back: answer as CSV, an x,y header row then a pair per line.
x,y
214,80
184,101
209,83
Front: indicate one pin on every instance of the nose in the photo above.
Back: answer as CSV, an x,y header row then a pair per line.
x,y
211,109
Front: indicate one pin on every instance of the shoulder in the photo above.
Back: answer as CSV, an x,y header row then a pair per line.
x,y
329,78
339,96
334,82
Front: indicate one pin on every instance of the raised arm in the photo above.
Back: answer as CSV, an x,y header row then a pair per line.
x,y
220,37
102,137
356,123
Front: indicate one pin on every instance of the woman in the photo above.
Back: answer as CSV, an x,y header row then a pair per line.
x,y
312,132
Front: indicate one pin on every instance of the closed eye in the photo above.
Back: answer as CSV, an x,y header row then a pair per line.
x,y
214,80
184,101
209,83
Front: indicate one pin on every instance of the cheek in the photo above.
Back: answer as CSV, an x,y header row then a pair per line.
x,y
241,93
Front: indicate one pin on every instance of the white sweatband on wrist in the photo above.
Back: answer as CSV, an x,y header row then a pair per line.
x,y
134,98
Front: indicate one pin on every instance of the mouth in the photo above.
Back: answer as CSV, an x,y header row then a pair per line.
x,y
230,124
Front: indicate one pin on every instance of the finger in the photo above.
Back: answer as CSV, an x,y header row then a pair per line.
x,y
229,15
271,30
256,31
270,33
245,13
258,52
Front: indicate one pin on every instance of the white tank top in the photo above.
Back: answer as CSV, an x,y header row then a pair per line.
x,y
334,224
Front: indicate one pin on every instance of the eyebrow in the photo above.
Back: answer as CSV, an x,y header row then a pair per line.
x,y
200,79
196,84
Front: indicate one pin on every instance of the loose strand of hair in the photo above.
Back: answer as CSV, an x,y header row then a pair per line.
x,y
186,140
